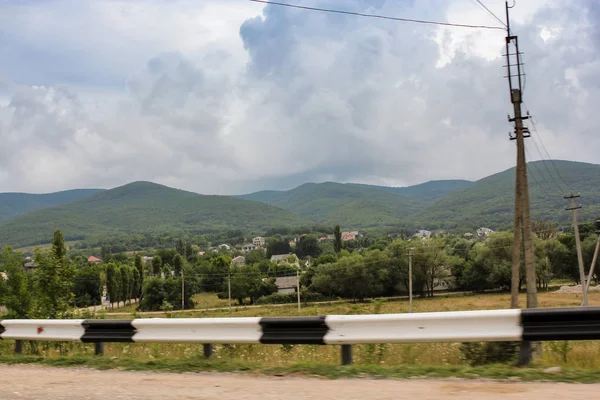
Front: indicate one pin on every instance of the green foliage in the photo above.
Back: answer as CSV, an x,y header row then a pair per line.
x,y
347,204
14,204
337,239
255,256
247,282
350,277
490,201
476,353
278,246
15,293
139,266
53,281
308,246
177,264
158,292
153,294
287,298
143,207
87,287
113,282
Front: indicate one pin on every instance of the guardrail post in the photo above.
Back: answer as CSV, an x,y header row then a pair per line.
x,y
99,348
346,354
18,347
208,350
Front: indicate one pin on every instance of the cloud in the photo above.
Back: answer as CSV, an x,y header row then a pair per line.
x,y
232,97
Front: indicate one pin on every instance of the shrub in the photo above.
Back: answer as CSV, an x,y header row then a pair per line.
x,y
489,353
285,298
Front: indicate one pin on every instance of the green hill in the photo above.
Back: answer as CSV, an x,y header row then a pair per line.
x,y
143,207
350,205
13,204
427,192
490,201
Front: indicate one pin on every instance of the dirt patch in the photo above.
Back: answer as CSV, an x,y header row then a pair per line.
x,y
46,383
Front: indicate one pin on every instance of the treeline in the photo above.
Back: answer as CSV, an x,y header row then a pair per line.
x,y
360,269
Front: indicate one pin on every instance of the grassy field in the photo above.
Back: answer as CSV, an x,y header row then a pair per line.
x,y
447,356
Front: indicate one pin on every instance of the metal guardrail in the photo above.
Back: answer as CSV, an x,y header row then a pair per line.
x,y
581,323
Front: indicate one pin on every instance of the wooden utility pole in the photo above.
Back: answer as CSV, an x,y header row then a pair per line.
x,y
522,213
410,279
573,208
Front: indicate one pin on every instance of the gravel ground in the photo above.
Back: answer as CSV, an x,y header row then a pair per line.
x,y
36,382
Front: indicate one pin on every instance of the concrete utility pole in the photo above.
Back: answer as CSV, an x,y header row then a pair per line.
x,y
573,208
182,290
410,285
229,287
298,283
595,258
522,213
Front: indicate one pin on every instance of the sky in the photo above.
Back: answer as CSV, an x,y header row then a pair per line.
x,y
233,96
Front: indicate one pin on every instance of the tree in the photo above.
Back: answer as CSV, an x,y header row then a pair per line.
x,y
337,239
349,278
255,256
54,280
157,264
113,277
432,260
16,291
87,287
398,279
278,246
180,247
247,282
105,253
189,250
126,283
137,283
308,245
153,294
544,229
139,265
214,273
178,264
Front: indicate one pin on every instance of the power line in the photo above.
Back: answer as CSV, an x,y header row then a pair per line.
x,y
541,175
491,13
560,190
378,16
534,125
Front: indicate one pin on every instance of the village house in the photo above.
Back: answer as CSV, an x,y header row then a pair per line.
x,y
92,259
286,284
484,232
346,236
423,234
239,261
289,258
259,241
249,247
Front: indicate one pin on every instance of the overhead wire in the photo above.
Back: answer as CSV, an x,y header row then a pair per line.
x,y
535,166
534,126
378,16
491,13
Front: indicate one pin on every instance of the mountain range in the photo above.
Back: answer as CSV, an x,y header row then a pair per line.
x,y
456,205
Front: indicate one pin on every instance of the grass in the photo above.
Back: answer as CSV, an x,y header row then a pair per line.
x,y
199,364
579,358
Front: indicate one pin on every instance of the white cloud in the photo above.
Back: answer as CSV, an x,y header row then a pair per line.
x,y
227,97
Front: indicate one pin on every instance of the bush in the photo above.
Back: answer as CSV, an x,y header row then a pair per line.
x,y
489,353
284,298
